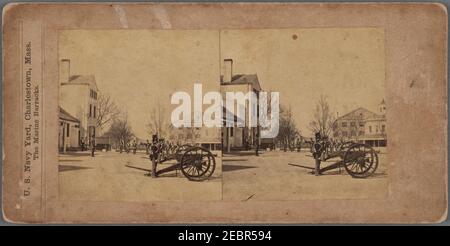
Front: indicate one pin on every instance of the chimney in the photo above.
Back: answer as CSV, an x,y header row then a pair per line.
x,y
227,70
64,71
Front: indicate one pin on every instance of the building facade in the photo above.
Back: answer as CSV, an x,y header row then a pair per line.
x,y
239,137
69,131
78,96
364,126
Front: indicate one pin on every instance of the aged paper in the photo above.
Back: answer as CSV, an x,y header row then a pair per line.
x,y
225,113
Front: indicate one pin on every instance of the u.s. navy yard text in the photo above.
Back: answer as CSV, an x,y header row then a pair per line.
x,y
31,117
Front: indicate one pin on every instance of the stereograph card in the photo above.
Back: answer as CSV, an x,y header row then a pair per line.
x,y
225,113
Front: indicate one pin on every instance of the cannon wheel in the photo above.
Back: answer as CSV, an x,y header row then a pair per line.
x,y
181,150
197,164
360,160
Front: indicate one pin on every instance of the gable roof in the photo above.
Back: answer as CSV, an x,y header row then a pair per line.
x,y
241,79
82,80
64,115
367,114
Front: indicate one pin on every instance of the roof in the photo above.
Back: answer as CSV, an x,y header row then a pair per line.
x,y
225,116
82,80
367,114
64,115
240,79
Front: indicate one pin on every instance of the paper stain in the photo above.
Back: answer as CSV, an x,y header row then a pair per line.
x,y
162,16
248,198
122,15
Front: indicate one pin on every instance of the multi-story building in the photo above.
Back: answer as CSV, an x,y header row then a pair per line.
x,y
78,96
239,137
362,125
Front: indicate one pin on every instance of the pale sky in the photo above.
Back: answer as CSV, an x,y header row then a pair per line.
x,y
139,67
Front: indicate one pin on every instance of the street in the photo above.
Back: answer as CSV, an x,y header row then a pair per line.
x,y
270,177
242,177
105,178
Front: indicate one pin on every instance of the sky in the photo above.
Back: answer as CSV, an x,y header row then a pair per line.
x,y
141,67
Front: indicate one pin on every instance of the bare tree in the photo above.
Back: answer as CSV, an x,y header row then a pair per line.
x,y
158,122
323,118
107,111
120,130
288,131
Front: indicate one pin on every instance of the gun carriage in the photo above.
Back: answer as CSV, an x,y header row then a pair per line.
x,y
196,163
359,160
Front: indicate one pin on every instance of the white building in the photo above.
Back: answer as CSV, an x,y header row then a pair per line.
x,y
362,125
69,131
239,137
78,96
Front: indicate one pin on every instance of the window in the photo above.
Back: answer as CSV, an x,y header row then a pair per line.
x,y
344,134
344,124
95,110
361,133
361,124
90,110
370,129
352,124
93,94
376,129
383,128
231,132
353,133
68,130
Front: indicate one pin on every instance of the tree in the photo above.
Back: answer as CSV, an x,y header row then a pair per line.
x,y
107,111
288,131
120,130
159,122
324,119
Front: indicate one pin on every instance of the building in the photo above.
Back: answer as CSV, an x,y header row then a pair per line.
x,y
103,143
69,131
205,137
364,126
78,96
239,137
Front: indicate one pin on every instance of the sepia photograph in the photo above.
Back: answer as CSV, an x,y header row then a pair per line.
x,y
118,141
332,141
269,113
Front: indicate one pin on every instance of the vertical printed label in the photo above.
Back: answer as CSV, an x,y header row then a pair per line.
x,y
31,46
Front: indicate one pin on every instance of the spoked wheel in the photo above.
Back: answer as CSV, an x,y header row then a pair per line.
x,y
180,150
197,164
360,161
343,146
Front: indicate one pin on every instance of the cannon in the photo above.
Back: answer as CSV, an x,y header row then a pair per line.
x,y
359,160
196,163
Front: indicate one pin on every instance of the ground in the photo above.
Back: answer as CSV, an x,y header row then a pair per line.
x,y
270,177
243,176
106,178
